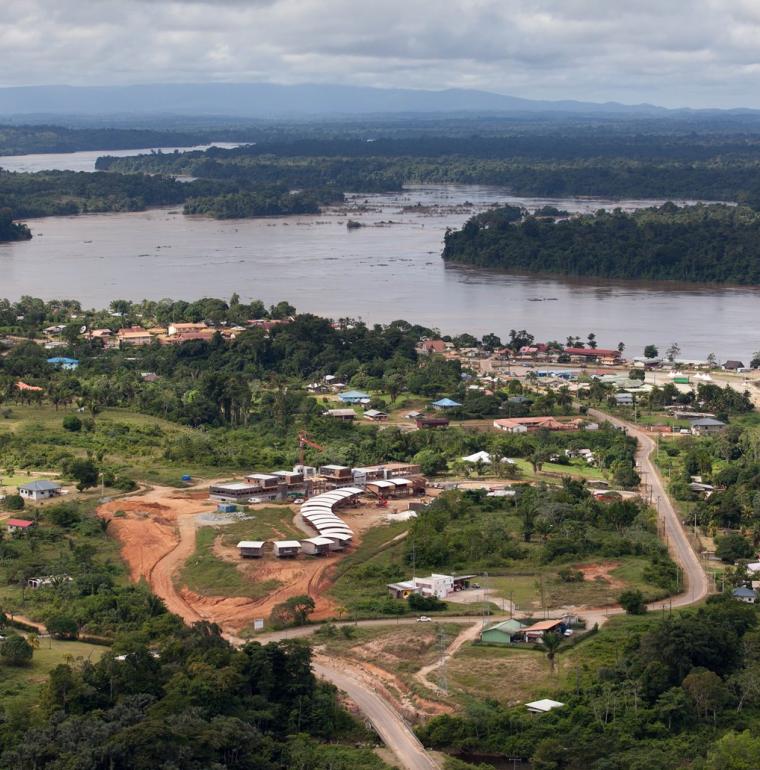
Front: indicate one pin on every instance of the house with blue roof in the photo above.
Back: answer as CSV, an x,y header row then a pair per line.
x,y
63,362
446,403
354,397
744,594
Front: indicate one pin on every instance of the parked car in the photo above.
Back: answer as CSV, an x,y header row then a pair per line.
x,y
255,500
424,619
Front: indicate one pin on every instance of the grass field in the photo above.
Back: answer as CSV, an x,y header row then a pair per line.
x,y
274,523
517,675
208,575
363,573
9,482
525,589
130,441
26,682
576,468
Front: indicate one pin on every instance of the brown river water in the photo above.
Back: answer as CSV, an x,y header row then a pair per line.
x,y
389,269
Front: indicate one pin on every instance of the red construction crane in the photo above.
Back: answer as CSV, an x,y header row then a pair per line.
x,y
303,442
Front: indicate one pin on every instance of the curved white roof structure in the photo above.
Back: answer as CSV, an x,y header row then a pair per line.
x,y
318,511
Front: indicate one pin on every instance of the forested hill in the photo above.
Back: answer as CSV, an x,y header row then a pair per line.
x,y
702,243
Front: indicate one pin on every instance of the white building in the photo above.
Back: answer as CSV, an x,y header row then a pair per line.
x,y
39,490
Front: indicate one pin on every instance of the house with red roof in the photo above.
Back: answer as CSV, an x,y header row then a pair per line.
x,y
18,525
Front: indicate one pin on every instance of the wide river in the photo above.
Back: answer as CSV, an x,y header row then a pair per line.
x,y
388,269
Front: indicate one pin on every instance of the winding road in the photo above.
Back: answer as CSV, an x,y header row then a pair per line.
x,y
390,725
696,583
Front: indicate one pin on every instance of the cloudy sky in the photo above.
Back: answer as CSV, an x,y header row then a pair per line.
x,y
684,53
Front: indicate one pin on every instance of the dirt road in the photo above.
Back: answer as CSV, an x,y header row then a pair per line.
x,y
390,726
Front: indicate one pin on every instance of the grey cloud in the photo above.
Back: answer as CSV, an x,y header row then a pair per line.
x,y
702,54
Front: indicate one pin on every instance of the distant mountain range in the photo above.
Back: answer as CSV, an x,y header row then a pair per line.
x,y
267,100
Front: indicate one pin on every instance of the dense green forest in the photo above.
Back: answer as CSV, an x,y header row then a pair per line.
x,y
264,202
28,139
184,698
10,230
702,243
62,193
566,161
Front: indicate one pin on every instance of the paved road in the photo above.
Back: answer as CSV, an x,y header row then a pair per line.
x,y
390,726
697,585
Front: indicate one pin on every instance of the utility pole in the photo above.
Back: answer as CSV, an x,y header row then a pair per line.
x,y
443,679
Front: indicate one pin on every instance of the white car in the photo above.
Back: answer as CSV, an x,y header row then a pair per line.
x,y
255,500
424,619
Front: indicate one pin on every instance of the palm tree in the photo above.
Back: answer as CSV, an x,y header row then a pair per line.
x,y
551,644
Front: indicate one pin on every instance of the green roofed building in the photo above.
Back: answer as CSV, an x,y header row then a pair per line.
x,y
502,633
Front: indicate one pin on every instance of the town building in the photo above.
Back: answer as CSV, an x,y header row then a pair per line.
x,y
340,414
602,355
426,421
397,487
233,491
706,426
135,335
336,474
41,489
429,347
375,415
251,549
531,424
15,526
502,633
436,585
316,546
445,403
64,362
536,632
185,328
286,548
354,397
744,594
366,473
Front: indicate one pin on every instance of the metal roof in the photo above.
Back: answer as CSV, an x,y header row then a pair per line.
x,y
40,485
251,544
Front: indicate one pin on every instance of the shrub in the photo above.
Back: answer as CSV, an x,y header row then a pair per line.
x,y
730,547
62,627
421,603
72,423
16,651
13,503
632,601
570,575
63,514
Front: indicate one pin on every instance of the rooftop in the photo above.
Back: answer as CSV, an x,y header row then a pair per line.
x,y
40,485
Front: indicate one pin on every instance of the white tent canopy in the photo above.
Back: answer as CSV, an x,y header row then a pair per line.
x,y
485,458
